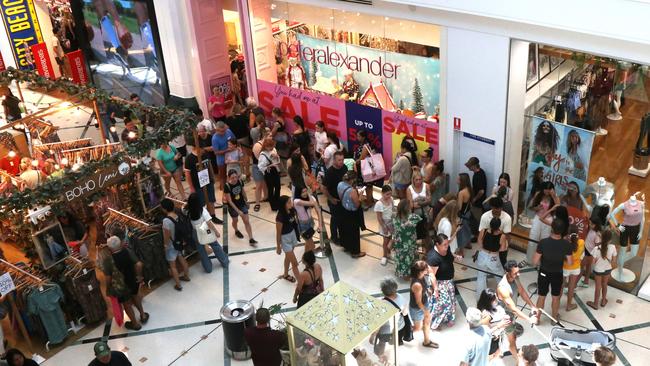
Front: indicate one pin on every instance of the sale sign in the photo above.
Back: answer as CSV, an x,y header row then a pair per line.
x,y
578,219
396,126
312,107
42,60
360,117
78,67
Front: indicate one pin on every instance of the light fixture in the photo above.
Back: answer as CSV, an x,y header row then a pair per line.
x,y
131,135
113,129
64,161
12,153
66,104
35,163
76,167
57,166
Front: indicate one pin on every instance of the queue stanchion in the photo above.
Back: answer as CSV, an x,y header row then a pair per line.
x,y
324,250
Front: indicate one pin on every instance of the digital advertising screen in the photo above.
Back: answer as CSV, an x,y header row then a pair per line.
x,y
124,43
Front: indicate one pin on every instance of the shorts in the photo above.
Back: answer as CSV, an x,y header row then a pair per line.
x,y
171,254
630,234
289,241
510,328
587,254
571,272
400,186
416,314
552,280
391,230
304,226
257,174
605,273
233,213
211,196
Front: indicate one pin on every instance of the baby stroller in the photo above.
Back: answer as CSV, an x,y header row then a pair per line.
x,y
579,345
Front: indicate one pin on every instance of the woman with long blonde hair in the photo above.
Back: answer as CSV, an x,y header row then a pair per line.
x,y
447,222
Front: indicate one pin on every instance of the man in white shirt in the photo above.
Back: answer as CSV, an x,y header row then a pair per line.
x,y
206,122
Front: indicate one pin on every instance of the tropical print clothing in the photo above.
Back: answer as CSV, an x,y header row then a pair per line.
x,y
404,243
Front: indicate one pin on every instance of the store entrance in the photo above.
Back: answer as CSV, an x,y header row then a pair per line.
x,y
586,132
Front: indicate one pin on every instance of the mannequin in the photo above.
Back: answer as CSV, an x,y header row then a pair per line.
x,y
296,77
601,193
616,104
630,230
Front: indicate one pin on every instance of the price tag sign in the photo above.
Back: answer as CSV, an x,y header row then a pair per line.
x,y
204,178
6,284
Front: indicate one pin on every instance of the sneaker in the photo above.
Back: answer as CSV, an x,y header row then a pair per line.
x,y
383,261
252,242
239,234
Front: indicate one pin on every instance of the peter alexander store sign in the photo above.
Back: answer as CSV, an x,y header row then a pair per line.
x,y
330,56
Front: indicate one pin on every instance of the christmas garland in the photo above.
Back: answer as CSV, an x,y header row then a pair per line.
x,y
169,123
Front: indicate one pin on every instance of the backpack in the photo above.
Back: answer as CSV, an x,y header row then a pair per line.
x,y
182,231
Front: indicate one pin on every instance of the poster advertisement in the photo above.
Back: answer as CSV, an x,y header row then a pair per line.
x,y
561,152
387,80
360,117
77,67
23,29
124,55
470,145
42,60
385,129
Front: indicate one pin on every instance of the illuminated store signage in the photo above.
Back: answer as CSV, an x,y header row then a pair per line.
x,y
19,17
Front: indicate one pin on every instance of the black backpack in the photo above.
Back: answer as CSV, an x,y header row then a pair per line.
x,y
182,231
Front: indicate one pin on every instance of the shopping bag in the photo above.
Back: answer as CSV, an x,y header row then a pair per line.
x,y
118,314
372,167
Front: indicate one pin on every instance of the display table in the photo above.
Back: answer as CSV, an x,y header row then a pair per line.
x,y
327,329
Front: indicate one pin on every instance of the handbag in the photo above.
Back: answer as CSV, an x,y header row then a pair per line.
x,y
373,167
204,234
405,333
118,313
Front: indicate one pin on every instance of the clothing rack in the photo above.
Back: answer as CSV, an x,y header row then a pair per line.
x,y
114,215
87,153
63,145
21,279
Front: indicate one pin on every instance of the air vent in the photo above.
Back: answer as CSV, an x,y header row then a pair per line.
x,y
362,2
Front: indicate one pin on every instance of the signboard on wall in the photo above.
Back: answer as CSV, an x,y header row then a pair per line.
x,y
561,152
102,179
224,84
42,60
385,129
23,29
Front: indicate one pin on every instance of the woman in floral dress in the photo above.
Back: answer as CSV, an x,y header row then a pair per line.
x,y
404,238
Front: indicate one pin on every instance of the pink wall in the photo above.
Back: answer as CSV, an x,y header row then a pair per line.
x,y
263,45
211,47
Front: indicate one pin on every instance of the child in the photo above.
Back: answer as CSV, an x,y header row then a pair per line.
x,y
385,215
572,271
235,197
603,256
604,356
234,157
528,355
318,167
303,202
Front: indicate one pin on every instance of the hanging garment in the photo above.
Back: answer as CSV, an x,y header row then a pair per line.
x,y
88,294
151,253
46,305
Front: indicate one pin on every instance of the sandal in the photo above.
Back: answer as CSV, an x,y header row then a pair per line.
x,y
145,318
184,278
129,325
178,288
238,234
288,277
592,305
571,307
430,344
603,302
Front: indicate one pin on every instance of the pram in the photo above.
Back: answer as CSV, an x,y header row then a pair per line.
x,y
578,344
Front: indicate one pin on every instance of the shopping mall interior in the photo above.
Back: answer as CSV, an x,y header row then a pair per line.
x,y
173,173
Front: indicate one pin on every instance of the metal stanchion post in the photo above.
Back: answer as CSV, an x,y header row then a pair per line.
x,y
324,250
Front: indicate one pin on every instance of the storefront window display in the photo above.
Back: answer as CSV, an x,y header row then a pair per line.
x,y
124,48
354,71
585,133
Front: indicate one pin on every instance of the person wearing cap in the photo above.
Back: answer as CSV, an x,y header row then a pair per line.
x,y
479,187
265,343
105,357
477,343
508,290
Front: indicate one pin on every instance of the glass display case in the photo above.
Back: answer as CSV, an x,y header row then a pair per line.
x,y
339,326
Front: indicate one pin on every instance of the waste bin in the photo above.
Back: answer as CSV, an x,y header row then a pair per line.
x,y
235,317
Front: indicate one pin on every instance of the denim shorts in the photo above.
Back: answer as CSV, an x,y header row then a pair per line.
x,y
257,174
171,254
304,226
233,213
416,314
400,186
289,241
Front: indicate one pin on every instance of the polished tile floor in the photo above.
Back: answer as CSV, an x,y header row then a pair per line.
x,y
185,329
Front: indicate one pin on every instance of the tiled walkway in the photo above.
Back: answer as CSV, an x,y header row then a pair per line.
x,y
185,330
